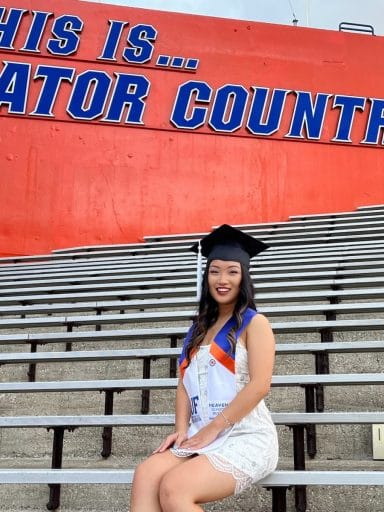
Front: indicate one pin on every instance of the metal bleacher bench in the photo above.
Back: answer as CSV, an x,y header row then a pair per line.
x,y
181,296
324,277
109,387
321,244
278,482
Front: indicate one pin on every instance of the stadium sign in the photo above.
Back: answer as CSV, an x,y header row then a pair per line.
x,y
114,97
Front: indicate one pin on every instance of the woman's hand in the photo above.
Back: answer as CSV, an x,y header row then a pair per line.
x,y
203,438
173,439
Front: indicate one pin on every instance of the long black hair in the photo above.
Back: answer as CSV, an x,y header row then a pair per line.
x,y
208,310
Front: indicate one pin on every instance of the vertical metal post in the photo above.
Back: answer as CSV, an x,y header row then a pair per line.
x,y
107,431
299,464
311,429
322,358
145,392
173,360
68,346
32,366
57,458
98,326
279,499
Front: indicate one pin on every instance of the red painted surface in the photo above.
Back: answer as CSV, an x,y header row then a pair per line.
x,y
67,183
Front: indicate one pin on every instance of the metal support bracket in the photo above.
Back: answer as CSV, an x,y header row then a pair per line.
x,y
279,498
173,361
32,366
299,464
57,459
310,429
98,312
68,346
145,393
107,431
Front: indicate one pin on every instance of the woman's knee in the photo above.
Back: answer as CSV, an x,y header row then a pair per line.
x,y
171,493
147,473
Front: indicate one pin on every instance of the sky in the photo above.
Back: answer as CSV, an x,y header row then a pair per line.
x,y
325,14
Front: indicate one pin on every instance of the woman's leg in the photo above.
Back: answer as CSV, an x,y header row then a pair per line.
x,y
196,481
146,481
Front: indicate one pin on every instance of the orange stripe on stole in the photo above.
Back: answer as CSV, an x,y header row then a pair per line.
x,y
220,355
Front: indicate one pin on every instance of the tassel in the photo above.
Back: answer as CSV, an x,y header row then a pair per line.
x,y
199,273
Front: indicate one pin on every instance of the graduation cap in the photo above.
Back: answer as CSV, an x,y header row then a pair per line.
x,y
228,244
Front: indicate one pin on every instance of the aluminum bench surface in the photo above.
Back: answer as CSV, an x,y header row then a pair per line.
x,y
348,379
81,307
290,418
125,476
159,268
169,316
154,353
180,332
133,288
164,277
183,296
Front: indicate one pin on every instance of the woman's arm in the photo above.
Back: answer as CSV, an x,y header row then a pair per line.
x,y
182,416
183,408
260,343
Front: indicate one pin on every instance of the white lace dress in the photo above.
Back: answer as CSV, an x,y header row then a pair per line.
x,y
250,451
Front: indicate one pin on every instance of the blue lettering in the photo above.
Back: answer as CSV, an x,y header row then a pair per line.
x,y
140,37
36,31
130,91
348,105
89,95
65,30
52,76
261,122
186,116
112,41
14,82
8,28
194,401
375,122
308,115
228,108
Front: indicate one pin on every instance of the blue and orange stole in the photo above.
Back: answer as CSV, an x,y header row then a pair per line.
x,y
221,382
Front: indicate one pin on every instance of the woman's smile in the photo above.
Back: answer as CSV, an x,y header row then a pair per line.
x,y
224,280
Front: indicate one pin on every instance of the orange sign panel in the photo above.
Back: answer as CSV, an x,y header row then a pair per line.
x,y
119,122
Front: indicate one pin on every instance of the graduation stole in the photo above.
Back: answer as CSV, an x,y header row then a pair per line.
x,y
221,371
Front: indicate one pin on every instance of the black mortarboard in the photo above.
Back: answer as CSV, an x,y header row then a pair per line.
x,y
229,244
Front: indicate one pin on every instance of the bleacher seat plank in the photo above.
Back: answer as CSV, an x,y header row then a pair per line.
x,y
349,379
155,353
276,228
375,212
130,288
183,296
180,332
160,277
129,420
321,242
338,252
81,307
272,238
142,270
125,476
170,316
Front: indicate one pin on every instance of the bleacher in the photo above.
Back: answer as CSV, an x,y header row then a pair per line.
x,y
89,340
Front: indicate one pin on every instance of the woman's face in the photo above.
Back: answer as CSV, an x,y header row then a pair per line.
x,y
224,278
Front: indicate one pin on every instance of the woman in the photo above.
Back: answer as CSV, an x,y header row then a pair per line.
x,y
224,438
